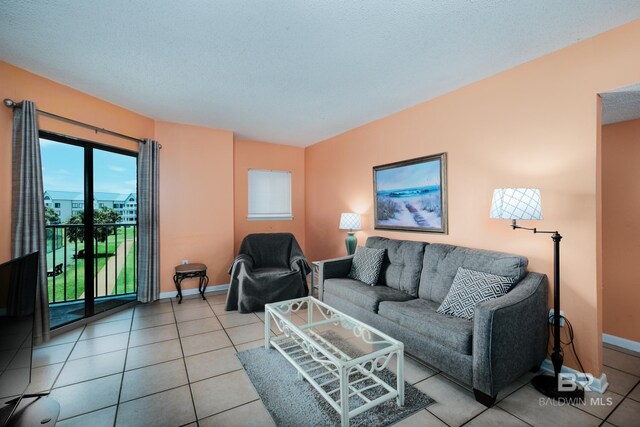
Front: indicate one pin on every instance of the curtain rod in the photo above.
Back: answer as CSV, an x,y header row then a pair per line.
x,y
9,103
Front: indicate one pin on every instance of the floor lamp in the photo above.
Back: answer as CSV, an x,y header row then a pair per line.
x,y
525,203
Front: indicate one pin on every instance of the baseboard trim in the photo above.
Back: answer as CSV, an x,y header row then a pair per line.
x,y
194,291
621,342
599,385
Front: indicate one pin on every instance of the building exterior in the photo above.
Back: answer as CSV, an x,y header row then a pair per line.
x,y
69,203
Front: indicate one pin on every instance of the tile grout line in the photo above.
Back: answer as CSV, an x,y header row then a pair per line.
x,y
105,335
436,417
97,354
90,379
87,413
621,370
626,396
124,367
497,405
610,412
80,382
236,350
153,364
184,362
223,328
513,392
513,415
627,352
427,408
230,409
78,340
589,413
65,362
154,393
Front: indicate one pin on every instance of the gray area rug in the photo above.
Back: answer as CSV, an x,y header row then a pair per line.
x,y
296,403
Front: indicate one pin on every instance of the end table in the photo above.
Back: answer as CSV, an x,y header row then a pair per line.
x,y
186,271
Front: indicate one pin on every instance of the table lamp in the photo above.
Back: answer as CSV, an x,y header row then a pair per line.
x,y
525,203
350,221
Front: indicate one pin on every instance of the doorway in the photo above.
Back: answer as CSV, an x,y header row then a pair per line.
x,y
90,195
620,154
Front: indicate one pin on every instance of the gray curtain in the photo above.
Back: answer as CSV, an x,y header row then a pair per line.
x,y
148,223
27,206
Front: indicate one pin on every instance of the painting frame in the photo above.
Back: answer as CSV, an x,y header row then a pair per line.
x,y
418,189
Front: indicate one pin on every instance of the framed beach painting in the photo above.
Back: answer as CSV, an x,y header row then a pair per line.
x,y
411,195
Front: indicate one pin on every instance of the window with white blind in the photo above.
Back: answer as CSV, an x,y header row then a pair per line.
x,y
269,195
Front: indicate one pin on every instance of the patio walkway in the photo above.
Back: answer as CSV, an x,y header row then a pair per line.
x,y
105,287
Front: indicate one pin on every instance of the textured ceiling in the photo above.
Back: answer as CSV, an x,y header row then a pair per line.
x,y
286,71
621,104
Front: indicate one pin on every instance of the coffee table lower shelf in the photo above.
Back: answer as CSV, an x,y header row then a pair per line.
x,y
343,381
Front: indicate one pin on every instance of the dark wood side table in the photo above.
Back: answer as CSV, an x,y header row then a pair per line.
x,y
186,271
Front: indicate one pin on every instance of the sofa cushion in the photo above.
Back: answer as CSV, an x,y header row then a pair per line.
x,y
402,263
470,288
441,264
363,295
366,265
420,316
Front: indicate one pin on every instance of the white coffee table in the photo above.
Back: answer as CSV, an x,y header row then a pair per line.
x,y
336,354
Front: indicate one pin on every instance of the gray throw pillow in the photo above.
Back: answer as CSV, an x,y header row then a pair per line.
x,y
366,265
470,288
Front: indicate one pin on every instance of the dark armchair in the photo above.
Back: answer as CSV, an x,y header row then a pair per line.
x,y
269,268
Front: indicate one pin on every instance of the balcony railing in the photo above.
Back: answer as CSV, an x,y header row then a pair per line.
x,y
114,261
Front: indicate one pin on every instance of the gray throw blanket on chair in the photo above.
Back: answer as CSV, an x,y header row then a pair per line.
x,y
269,268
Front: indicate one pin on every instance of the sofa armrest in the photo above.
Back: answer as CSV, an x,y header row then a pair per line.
x,y
331,269
510,334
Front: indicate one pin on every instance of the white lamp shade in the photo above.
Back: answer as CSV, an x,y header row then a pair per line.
x,y
350,221
516,203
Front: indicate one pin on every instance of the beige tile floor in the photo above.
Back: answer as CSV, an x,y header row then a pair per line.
x,y
165,364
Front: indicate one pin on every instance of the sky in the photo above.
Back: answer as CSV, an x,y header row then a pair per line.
x,y
418,175
63,169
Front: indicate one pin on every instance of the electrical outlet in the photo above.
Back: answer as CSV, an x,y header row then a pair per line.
x,y
561,318
185,261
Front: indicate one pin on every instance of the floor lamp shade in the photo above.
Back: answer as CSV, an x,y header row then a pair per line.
x,y
350,221
516,203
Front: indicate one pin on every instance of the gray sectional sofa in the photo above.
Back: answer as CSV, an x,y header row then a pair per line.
x,y
506,338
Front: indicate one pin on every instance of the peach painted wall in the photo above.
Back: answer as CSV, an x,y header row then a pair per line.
x,y
621,229
200,230
260,155
196,200
534,125
18,84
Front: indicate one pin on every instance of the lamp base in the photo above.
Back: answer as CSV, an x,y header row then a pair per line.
x,y
548,385
351,243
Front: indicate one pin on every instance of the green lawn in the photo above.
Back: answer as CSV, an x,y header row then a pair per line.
x,y
130,283
74,269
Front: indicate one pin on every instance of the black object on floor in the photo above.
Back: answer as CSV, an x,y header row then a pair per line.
x,y
548,385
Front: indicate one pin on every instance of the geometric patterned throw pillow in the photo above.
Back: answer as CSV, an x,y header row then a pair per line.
x,y
470,288
366,265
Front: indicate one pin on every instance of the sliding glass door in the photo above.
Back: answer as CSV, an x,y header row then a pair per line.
x,y
91,246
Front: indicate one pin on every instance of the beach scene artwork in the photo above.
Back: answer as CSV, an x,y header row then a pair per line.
x,y
409,195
